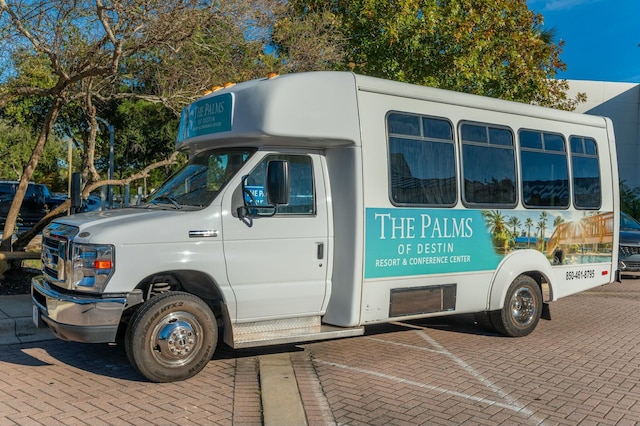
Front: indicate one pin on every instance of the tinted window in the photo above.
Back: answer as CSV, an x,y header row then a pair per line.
x,y
545,174
472,133
422,165
488,165
199,181
302,193
437,129
530,140
587,192
403,124
7,190
553,142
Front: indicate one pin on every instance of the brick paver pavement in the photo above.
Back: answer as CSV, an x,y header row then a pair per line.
x,y
64,383
583,367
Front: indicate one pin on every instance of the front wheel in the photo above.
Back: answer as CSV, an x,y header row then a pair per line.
x,y
171,337
522,308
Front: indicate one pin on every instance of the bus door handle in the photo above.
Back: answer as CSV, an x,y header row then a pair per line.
x,y
320,253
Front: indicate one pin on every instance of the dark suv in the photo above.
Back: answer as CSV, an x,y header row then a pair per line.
x,y
34,206
629,253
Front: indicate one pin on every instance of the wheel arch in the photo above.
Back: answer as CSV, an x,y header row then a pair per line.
x,y
521,262
194,282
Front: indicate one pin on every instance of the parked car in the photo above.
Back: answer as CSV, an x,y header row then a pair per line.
x,y
629,250
51,200
34,206
92,203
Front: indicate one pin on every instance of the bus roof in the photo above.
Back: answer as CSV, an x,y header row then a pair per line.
x,y
320,109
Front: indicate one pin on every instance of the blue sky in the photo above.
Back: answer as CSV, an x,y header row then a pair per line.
x,y
601,37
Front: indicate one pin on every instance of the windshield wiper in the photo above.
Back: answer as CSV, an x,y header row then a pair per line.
x,y
172,200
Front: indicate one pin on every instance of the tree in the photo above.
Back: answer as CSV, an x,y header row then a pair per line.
x,y
542,227
307,41
146,133
64,37
557,221
515,223
629,200
15,147
101,51
498,228
529,224
496,48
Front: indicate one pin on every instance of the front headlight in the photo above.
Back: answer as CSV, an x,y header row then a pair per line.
x,y
91,267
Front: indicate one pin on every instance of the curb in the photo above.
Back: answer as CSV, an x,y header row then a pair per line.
x,y
281,400
16,324
22,330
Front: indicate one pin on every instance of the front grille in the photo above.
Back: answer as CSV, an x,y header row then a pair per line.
x,y
50,258
627,251
56,252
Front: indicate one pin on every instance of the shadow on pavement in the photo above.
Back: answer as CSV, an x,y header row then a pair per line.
x,y
107,360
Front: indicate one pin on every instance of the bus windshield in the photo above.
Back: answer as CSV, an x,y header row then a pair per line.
x,y
201,179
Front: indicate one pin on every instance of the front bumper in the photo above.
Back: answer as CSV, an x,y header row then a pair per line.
x,y
79,318
629,267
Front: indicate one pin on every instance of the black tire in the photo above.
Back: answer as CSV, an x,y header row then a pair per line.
x,y
171,337
522,308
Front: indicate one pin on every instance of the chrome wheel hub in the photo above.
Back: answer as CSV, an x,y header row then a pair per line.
x,y
523,306
177,338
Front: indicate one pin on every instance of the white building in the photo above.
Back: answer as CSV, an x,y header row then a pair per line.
x,y
621,103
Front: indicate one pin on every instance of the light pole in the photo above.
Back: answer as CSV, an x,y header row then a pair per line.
x,y
111,142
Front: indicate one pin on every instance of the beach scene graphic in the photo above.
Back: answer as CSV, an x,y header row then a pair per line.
x,y
407,241
565,238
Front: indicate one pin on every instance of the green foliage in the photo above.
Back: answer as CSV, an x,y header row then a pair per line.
x,y
495,48
22,118
492,48
630,200
16,144
145,133
310,42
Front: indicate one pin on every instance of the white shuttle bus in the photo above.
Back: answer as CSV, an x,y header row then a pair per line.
x,y
314,204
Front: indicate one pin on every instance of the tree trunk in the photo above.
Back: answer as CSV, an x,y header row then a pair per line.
x,y
14,210
25,238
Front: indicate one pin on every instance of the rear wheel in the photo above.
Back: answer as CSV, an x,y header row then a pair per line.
x,y
522,307
171,337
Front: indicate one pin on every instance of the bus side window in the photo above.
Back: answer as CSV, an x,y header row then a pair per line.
x,y
421,160
587,190
488,165
545,172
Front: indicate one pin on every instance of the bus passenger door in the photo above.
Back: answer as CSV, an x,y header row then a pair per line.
x,y
277,265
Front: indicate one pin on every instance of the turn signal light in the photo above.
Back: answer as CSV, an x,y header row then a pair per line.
x,y
102,264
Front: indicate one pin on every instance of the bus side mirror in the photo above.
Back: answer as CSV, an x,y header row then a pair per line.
x,y
278,182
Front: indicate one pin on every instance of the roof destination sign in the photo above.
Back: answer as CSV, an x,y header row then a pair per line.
x,y
206,116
